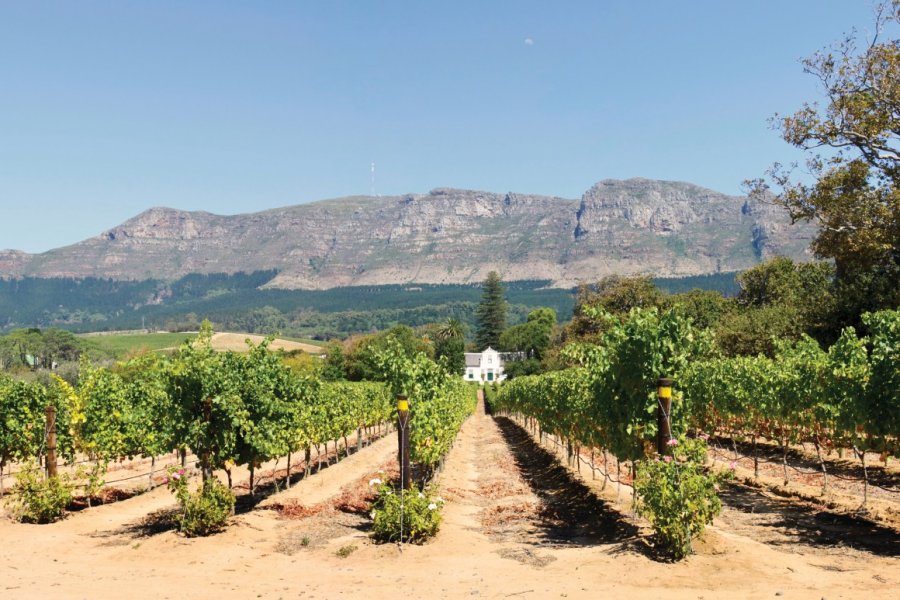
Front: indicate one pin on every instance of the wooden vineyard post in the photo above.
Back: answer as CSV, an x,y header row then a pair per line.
x,y
663,411
403,441
51,441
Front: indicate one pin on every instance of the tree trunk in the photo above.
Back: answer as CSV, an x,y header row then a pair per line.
x,y
359,438
822,464
618,479
633,488
287,482
228,474
252,474
755,459
862,458
784,459
605,468
308,459
152,465
183,458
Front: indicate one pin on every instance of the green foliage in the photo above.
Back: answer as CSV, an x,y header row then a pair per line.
x,y
678,495
362,362
146,401
845,396
204,511
341,407
853,149
883,390
237,303
34,348
39,499
451,353
531,337
449,345
544,315
414,515
705,308
102,395
630,358
610,401
519,368
439,402
756,330
22,419
779,299
614,295
335,366
490,316
207,408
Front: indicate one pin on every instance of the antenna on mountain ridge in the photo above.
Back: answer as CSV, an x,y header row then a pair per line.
x,y
373,178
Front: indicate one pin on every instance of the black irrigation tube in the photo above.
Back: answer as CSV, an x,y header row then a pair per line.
x,y
369,439
594,468
723,453
717,451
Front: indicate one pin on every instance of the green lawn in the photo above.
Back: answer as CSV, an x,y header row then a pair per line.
x,y
119,345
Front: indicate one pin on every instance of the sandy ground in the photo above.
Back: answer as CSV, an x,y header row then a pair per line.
x,y
517,524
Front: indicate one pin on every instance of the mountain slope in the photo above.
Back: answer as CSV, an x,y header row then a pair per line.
x,y
446,236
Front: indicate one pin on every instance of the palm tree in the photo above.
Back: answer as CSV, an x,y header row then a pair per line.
x,y
452,328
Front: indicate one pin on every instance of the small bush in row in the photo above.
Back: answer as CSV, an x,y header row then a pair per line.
x,y
404,515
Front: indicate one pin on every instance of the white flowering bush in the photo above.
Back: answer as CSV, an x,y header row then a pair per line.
x,y
410,516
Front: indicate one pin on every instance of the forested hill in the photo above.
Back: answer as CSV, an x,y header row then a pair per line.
x,y
447,236
236,302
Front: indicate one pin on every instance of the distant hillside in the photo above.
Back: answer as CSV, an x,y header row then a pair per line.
x,y
447,236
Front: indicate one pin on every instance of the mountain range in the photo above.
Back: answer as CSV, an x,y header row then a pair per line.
x,y
634,226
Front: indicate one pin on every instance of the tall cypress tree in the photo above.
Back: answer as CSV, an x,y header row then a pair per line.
x,y
490,316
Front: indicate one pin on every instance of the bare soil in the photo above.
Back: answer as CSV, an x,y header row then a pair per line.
x,y
517,524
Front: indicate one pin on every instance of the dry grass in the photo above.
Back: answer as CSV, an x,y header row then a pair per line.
x,y
505,515
501,488
238,343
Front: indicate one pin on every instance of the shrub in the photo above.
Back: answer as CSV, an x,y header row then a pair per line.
x,y
678,495
418,513
204,511
39,499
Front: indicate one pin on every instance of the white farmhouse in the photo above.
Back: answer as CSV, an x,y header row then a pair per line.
x,y
484,367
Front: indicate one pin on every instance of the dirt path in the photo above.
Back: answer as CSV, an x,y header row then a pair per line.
x,y
517,524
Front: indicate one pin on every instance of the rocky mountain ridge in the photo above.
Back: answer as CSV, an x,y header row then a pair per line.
x,y
446,236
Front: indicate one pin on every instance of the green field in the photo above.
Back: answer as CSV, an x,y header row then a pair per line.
x,y
118,345
301,340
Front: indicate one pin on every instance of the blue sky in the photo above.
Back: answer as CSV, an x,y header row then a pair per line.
x,y
109,108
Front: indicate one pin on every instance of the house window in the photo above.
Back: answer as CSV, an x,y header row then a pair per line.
x,y
471,375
